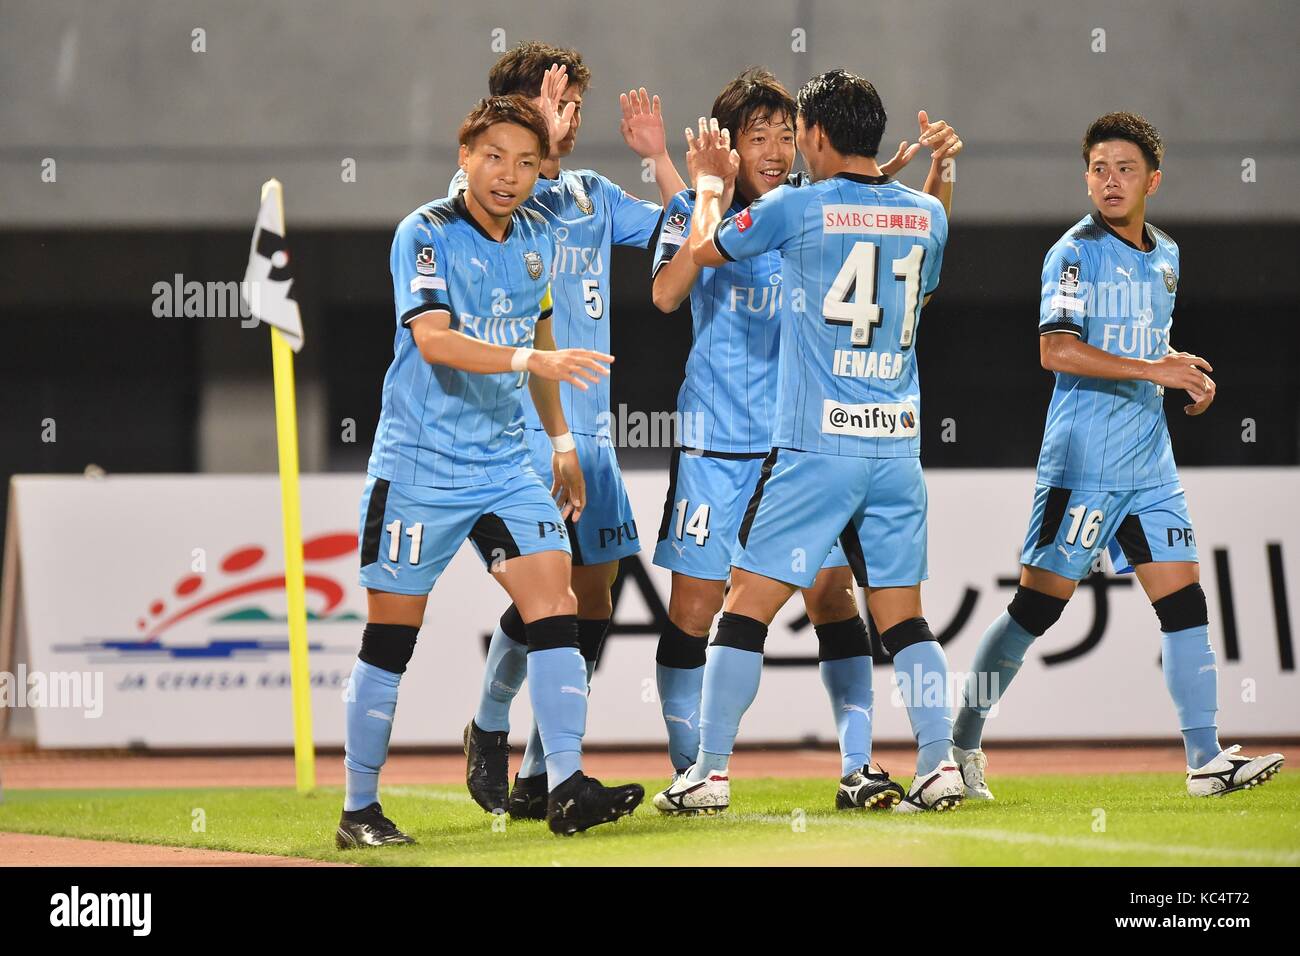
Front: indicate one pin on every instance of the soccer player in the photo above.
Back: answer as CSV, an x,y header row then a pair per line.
x,y
1106,473
588,214
860,253
449,462
725,410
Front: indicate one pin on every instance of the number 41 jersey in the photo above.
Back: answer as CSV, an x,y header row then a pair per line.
x,y
859,255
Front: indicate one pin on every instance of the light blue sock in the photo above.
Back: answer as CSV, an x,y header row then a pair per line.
x,y
998,658
922,673
557,685
731,679
369,709
1192,676
534,762
680,689
848,683
503,676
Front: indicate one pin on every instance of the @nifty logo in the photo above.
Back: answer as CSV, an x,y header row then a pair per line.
x,y
869,421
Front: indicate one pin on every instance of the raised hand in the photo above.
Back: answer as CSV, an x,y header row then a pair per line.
x,y
710,154
558,119
575,366
941,139
901,158
642,125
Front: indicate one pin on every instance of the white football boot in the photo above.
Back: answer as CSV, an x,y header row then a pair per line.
x,y
941,789
706,797
1228,772
973,763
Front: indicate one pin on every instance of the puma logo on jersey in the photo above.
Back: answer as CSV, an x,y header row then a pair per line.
x,y
1127,275
482,265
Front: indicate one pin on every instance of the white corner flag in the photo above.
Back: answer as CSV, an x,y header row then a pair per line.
x,y
266,288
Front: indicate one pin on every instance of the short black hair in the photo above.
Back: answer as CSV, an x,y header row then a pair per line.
x,y
848,110
754,94
505,109
1129,127
521,69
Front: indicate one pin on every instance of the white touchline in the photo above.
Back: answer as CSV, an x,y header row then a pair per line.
x,y
1104,844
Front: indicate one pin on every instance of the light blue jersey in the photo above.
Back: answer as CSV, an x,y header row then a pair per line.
x,y
587,214
728,396
1105,435
858,254
441,427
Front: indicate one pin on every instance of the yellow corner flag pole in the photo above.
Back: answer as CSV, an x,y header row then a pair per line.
x,y
286,430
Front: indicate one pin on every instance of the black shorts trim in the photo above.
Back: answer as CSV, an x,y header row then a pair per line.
x,y
374,529
491,535
1053,515
673,465
752,508
726,455
575,546
852,546
1133,539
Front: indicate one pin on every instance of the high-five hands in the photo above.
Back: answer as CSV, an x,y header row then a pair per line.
x,y
939,137
710,154
642,124
558,118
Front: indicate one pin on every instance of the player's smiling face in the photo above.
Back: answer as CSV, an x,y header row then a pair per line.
x,y
501,167
766,149
1119,179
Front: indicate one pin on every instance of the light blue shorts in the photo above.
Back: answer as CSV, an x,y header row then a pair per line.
x,y
1069,529
409,533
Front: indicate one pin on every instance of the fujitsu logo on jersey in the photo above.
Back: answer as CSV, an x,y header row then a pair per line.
x,y
1138,339
578,260
500,330
762,300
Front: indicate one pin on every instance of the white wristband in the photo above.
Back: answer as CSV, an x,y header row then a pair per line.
x,y
519,361
708,183
563,443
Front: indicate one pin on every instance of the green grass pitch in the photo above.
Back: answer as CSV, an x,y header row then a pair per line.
x,y
1122,820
